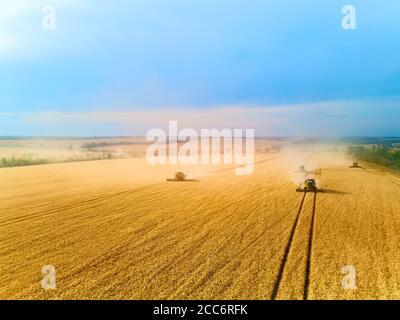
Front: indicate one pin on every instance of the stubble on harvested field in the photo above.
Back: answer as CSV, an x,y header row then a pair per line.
x,y
117,229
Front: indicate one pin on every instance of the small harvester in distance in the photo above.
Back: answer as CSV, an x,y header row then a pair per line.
x,y
301,169
355,165
309,185
179,176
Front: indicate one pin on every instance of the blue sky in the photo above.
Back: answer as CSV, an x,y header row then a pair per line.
x,y
122,67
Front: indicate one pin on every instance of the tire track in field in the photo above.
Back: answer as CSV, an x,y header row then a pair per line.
x,y
287,250
309,253
236,257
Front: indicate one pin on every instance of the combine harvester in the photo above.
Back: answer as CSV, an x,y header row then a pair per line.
x,y
355,165
180,177
309,186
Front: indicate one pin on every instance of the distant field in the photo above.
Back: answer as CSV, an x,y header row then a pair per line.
x,y
21,152
116,229
33,151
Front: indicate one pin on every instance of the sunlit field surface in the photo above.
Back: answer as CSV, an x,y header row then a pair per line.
x,y
116,229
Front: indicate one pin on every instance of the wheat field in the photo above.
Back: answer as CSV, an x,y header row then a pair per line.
x,y
115,229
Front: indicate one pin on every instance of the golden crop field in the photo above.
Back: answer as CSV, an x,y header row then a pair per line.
x,y
116,229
